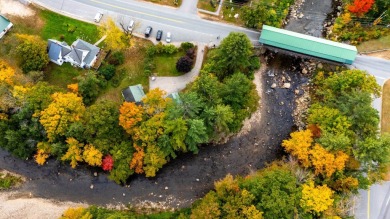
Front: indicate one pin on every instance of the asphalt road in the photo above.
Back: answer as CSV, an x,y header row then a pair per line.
x,y
183,25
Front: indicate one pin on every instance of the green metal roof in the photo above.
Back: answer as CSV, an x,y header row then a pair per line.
x,y
175,96
309,45
4,22
138,92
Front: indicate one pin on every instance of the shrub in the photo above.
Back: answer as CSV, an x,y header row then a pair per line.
x,y
36,76
107,71
186,45
116,58
170,49
184,64
118,77
191,53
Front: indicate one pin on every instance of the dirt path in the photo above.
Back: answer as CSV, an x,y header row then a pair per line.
x,y
11,7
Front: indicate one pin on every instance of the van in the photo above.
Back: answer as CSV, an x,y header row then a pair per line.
x,y
98,17
131,26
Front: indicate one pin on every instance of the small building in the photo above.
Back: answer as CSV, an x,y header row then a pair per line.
x,y
57,50
134,94
5,25
175,97
81,54
307,45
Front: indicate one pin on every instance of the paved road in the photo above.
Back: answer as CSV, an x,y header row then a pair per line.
x,y
183,26
375,203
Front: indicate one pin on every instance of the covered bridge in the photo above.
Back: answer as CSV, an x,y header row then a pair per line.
x,y
307,45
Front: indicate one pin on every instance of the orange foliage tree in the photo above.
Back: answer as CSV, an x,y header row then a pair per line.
x,y
327,163
130,116
299,146
360,7
137,161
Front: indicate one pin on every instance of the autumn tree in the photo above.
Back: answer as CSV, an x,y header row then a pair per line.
x,y
122,154
107,163
316,199
6,72
299,146
327,163
92,156
208,208
43,152
155,102
61,113
153,161
137,161
32,53
328,119
39,96
116,39
130,116
74,153
360,7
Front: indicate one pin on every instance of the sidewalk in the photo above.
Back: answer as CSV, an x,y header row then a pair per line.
x,y
176,84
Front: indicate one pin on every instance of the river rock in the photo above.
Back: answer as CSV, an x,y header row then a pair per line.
x,y
286,85
304,71
91,187
166,187
296,92
273,85
95,173
320,66
300,16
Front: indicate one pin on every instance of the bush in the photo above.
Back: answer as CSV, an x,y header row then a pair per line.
x,y
36,76
118,77
8,180
116,58
107,71
191,53
184,64
170,49
186,46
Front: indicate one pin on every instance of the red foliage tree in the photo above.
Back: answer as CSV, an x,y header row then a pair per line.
x,y
360,7
108,163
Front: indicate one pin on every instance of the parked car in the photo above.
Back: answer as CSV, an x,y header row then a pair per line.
x,y
159,35
148,31
98,17
169,37
131,26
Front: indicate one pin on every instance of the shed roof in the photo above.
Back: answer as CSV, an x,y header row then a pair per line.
x,y
4,22
309,45
133,93
175,96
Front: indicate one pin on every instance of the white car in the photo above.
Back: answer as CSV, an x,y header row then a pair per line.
x,y
131,26
98,17
169,37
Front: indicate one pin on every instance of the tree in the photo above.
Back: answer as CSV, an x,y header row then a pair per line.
x,y
89,87
107,163
184,64
208,88
232,55
137,161
39,96
235,89
189,107
122,154
116,39
360,7
316,199
328,119
107,71
6,72
74,152
92,156
196,134
61,113
326,163
208,207
32,53
102,126
299,146
155,102
130,116
255,16
153,161
177,131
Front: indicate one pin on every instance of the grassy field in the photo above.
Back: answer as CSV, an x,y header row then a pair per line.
x,y
167,2
385,120
166,64
205,5
62,75
67,29
7,180
372,45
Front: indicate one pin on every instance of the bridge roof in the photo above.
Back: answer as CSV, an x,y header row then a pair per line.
x,y
308,45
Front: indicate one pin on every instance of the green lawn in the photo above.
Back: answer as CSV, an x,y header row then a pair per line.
x,y
57,25
62,75
206,5
166,64
378,44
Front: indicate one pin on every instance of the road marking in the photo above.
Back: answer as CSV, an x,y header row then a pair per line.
x,y
139,12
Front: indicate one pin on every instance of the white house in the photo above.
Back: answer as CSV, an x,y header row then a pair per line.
x,y
81,54
5,25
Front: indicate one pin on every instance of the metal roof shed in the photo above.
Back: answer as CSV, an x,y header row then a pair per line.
x,y
5,25
307,45
133,93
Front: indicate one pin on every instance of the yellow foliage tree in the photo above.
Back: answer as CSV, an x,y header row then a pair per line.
x,y
316,199
76,213
74,152
6,72
19,92
327,163
137,160
92,156
61,113
155,102
252,212
116,39
130,116
43,152
299,146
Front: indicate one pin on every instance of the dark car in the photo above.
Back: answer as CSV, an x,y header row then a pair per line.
x,y
148,31
159,35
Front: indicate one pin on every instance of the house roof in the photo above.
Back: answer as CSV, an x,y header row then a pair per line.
x,y
57,49
308,45
92,50
4,22
175,97
133,93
